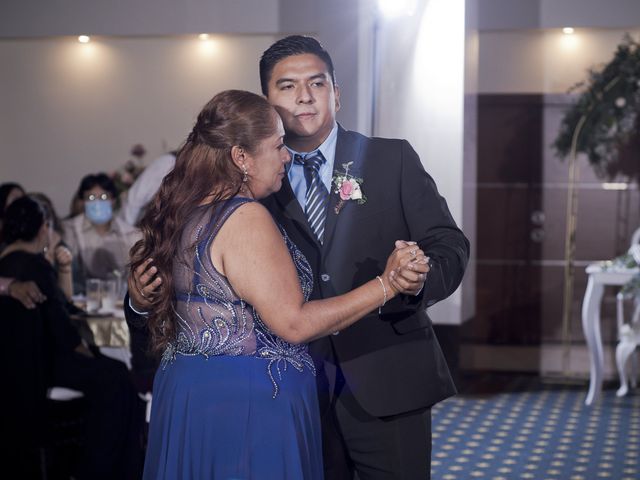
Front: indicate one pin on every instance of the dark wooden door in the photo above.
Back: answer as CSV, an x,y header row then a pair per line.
x,y
510,223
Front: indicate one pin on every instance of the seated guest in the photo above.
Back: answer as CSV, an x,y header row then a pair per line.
x,y
57,253
8,193
27,293
99,242
41,348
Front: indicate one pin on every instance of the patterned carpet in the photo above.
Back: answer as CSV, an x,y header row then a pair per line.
x,y
547,433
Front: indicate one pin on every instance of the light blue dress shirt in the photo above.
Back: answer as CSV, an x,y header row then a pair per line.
x,y
296,171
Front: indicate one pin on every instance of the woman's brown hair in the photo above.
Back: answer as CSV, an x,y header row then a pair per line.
x,y
204,173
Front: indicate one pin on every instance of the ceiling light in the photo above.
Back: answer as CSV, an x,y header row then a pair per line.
x,y
203,36
84,39
568,30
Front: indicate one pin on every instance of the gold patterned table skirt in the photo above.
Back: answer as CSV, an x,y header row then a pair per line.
x,y
107,331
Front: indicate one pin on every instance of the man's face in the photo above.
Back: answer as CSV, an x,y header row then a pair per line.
x,y
301,90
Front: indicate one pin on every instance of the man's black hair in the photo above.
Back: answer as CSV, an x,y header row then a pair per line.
x,y
286,47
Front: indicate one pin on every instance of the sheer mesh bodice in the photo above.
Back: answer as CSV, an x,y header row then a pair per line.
x,y
211,318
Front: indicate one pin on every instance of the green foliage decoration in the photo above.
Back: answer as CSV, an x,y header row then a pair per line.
x,y
605,116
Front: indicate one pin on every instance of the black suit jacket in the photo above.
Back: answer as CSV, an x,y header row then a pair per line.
x,y
392,362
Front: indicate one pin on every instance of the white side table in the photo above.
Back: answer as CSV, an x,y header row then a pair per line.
x,y
599,277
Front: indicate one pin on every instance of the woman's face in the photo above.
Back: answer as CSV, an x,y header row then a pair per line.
x,y
45,239
266,168
98,205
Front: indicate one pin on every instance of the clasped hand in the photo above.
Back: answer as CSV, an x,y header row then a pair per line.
x,y
407,268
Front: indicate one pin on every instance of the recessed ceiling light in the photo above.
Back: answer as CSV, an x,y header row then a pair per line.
x,y
203,36
84,39
568,30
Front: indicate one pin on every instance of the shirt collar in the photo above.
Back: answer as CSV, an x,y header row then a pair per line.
x,y
327,148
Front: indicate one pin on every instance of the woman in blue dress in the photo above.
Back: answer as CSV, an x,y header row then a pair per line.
x,y
235,394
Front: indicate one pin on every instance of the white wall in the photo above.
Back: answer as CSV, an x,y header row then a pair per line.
x,y
543,61
70,109
589,13
334,22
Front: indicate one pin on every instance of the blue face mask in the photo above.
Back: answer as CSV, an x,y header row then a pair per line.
x,y
98,211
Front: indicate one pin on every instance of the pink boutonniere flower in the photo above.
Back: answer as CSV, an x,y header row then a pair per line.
x,y
348,187
345,190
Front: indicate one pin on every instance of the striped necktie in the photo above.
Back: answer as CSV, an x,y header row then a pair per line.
x,y
317,194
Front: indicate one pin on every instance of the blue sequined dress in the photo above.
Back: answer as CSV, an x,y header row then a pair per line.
x,y
231,400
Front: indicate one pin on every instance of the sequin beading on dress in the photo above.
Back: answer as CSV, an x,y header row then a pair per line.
x,y
211,319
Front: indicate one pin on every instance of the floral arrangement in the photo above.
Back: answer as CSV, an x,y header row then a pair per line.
x,y
124,176
348,187
630,259
633,285
621,262
604,120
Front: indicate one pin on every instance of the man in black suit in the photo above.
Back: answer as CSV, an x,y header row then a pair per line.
x,y
378,378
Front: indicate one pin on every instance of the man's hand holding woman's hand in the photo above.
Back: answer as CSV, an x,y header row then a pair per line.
x,y
409,277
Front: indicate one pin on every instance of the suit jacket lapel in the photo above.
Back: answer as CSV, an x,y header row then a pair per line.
x,y
290,207
347,150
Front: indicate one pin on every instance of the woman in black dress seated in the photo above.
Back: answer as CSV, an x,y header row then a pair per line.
x,y
41,348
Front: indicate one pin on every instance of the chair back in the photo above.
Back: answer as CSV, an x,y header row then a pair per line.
x,y
635,238
634,249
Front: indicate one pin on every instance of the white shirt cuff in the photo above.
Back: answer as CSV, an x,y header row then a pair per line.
x,y
144,314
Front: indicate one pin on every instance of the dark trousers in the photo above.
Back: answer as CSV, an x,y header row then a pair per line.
x,y
358,445
113,435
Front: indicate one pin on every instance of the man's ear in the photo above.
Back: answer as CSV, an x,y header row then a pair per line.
x,y
336,91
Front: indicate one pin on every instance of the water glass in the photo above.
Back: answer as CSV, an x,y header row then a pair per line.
x,y
109,294
93,293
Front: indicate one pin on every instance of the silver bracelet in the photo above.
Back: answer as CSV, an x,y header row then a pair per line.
x,y
384,290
